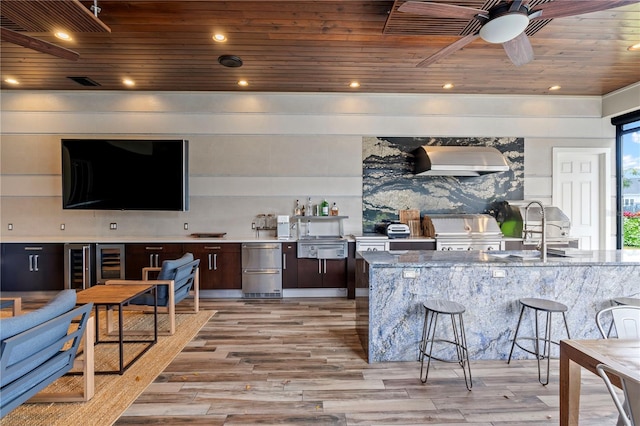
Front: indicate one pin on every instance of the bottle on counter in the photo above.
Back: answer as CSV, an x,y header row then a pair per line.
x,y
324,208
334,210
303,212
297,211
309,211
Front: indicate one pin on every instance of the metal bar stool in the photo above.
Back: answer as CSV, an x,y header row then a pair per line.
x,y
548,306
433,308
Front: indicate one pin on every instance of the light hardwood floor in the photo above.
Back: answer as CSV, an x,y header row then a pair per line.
x,y
299,362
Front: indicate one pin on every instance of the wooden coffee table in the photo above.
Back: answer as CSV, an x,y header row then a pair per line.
x,y
111,296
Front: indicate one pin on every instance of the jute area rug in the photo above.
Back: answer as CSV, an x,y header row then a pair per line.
x,y
113,393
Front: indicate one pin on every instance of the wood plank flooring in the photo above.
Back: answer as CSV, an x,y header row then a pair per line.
x,y
299,362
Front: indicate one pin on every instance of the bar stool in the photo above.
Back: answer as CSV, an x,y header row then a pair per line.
x,y
626,301
548,306
433,308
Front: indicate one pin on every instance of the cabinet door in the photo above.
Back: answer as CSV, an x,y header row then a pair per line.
x,y
32,267
319,273
220,265
139,256
289,265
309,273
334,273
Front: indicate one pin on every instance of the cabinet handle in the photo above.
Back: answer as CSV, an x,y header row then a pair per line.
x,y
209,256
85,267
157,260
320,266
215,261
35,262
151,260
30,263
33,248
154,248
325,265
212,247
284,260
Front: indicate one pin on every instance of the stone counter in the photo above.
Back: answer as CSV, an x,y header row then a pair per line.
x,y
391,286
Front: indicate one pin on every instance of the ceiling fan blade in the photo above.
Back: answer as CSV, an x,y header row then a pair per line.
x,y
453,47
37,45
564,8
519,50
439,10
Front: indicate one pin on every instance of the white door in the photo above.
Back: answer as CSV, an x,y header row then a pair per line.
x,y
580,190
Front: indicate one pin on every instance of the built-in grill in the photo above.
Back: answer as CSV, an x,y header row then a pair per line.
x,y
466,232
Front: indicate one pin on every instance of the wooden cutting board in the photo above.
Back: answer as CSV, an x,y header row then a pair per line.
x,y
408,214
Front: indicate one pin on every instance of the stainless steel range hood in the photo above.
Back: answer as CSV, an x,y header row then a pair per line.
x,y
458,161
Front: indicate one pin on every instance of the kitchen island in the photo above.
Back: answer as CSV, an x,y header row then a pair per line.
x,y
391,286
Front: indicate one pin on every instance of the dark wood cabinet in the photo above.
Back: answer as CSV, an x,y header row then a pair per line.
x,y
32,267
220,265
322,273
289,265
139,256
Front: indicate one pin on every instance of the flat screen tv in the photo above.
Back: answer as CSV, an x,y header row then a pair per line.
x,y
115,174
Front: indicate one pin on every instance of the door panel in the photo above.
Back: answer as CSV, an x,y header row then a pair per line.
x,y
580,192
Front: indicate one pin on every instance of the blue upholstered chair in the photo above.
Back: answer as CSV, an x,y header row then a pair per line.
x,y
176,280
40,346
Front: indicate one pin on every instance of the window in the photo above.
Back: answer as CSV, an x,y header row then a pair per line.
x,y
628,171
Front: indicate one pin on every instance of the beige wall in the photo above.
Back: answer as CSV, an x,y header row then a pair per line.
x,y
257,153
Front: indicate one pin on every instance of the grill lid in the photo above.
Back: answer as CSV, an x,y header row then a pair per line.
x,y
465,225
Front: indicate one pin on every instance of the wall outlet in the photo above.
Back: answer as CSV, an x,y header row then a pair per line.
x,y
113,225
62,226
186,226
409,273
499,273
10,227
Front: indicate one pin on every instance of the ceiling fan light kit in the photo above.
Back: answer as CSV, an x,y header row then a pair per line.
x,y
504,28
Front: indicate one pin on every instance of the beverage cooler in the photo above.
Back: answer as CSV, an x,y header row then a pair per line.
x,y
88,264
78,266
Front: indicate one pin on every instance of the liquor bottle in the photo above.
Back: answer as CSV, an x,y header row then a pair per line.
x,y
324,208
309,211
297,211
334,210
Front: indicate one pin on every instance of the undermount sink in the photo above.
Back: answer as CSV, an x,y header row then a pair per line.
x,y
521,254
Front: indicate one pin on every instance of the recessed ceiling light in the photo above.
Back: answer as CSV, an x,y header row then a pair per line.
x,y
354,84
243,83
219,38
634,47
11,81
62,35
556,87
128,82
447,86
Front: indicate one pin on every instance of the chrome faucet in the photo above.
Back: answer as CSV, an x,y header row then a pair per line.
x,y
543,240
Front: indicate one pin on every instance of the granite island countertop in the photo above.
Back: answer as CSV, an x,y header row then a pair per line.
x,y
426,258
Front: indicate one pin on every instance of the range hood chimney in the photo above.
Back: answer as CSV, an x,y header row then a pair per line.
x,y
458,161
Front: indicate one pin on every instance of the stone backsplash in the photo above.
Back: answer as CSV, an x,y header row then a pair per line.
x,y
389,183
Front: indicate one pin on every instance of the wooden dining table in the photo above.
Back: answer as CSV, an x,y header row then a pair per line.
x,y
621,354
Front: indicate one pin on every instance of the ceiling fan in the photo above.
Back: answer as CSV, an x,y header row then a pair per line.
x,y
506,22
21,16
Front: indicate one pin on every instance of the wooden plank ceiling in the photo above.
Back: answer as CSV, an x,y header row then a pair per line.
x,y
318,46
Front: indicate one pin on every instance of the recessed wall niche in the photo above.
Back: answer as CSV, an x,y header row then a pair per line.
x,y
389,183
